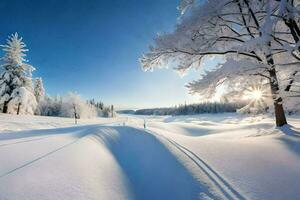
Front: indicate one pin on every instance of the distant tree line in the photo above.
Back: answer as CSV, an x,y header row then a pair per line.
x,y
72,105
102,110
193,109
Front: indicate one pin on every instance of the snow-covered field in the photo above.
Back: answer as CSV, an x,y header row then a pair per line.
x,y
186,157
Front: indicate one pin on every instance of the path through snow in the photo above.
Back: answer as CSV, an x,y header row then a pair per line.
x,y
92,162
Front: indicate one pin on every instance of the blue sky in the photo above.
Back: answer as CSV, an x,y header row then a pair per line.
x,y
92,47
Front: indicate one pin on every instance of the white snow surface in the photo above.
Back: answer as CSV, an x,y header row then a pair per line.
x,y
217,156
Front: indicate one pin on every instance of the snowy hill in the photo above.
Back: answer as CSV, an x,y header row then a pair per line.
x,y
191,157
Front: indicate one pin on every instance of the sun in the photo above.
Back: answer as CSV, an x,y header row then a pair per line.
x,y
254,94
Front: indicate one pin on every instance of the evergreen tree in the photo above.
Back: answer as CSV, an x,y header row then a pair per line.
x,y
16,88
39,90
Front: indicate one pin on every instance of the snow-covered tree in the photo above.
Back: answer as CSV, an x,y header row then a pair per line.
x,y
65,106
251,37
50,106
16,87
39,90
73,104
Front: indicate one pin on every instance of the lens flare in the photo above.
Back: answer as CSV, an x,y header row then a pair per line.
x,y
254,94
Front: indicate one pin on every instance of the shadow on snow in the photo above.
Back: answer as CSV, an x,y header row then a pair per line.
x,y
153,171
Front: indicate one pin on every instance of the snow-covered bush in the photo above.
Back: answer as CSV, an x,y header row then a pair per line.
x,y
72,103
50,106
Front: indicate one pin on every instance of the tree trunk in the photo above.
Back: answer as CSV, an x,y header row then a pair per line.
x,y
277,100
112,110
75,113
75,118
5,106
18,110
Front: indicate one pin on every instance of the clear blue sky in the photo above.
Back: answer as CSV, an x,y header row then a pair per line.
x,y
92,47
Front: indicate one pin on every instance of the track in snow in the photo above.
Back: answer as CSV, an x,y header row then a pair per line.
x,y
227,191
39,157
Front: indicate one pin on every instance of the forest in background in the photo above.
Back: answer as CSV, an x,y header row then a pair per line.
x,y
21,93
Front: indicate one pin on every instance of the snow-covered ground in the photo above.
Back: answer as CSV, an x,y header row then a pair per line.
x,y
221,156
